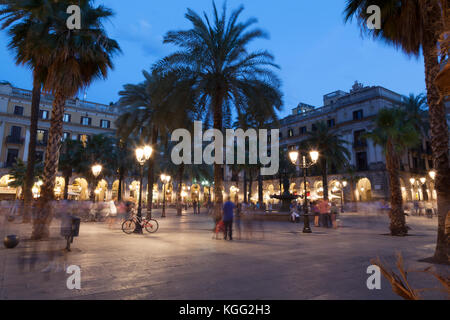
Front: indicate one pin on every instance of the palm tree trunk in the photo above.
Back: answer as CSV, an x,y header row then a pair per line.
x,y
151,175
439,128
260,190
119,189
245,187
29,176
66,185
179,189
44,212
396,215
218,174
324,166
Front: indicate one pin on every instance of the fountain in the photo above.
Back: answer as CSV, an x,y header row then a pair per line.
x,y
286,198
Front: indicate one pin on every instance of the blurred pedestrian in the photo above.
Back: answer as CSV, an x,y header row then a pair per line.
x,y
228,216
324,209
334,210
315,211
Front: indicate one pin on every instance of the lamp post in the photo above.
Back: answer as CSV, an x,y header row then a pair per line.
x,y
304,165
343,184
143,154
96,170
164,179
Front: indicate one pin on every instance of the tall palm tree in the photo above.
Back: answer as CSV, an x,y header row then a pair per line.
x,y
18,17
150,111
415,26
214,54
332,148
74,59
394,135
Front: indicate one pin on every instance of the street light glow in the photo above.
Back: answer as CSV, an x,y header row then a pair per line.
x,y
314,156
432,174
96,169
293,156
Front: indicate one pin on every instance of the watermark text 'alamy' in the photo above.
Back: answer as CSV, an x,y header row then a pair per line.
x,y
235,143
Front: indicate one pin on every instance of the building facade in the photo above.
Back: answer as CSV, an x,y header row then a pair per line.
x,y
351,115
82,119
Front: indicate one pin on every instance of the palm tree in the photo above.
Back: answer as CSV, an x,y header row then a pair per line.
x,y
214,55
332,149
74,59
18,174
394,135
70,160
150,111
415,26
416,110
23,30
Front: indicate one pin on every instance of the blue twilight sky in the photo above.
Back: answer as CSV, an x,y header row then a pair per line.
x,y
316,51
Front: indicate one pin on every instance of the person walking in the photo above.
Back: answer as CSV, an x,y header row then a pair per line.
x,y
228,216
194,204
324,208
334,210
315,212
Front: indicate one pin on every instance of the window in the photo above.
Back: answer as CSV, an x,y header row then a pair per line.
x,y
84,138
66,135
281,135
331,123
269,138
290,133
105,124
39,156
303,130
358,115
67,117
86,121
42,136
11,157
18,111
415,163
361,161
44,114
16,132
359,139
314,127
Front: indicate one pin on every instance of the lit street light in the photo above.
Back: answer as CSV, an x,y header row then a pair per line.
x,y
143,154
164,179
304,165
96,170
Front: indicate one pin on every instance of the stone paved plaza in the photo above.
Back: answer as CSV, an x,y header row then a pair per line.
x,y
182,261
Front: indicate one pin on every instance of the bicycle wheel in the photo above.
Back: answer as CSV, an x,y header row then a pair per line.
x,y
152,226
128,226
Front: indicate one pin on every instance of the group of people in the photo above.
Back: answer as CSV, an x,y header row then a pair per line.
x,y
325,213
233,215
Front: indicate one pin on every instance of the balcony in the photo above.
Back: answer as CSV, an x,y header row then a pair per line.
x,y
15,140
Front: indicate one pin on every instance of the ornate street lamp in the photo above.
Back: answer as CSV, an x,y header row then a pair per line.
x,y
143,154
164,179
304,165
342,185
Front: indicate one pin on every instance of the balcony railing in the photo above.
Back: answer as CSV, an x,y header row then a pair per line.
x,y
15,140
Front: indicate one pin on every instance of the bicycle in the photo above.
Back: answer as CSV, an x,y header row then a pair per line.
x,y
150,225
